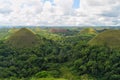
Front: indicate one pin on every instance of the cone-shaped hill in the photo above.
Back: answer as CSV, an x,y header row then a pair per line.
x,y
110,38
22,38
88,31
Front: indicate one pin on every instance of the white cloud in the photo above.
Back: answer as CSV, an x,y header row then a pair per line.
x,y
60,12
99,12
66,5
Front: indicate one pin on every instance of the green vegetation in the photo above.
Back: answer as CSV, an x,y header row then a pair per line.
x,y
46,34
13,30
109,38
3,33
88,31
35,79
22,38
64,57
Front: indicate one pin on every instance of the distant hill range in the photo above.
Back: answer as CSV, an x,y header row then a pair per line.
x,y
22,38
110,38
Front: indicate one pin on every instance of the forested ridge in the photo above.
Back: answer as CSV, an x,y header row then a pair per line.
x,y
60,56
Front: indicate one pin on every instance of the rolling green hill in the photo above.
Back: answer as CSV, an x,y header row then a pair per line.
x,y
110,38
22,38
88,31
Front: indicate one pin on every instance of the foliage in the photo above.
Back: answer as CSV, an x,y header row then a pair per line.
x,y
68,58
88,31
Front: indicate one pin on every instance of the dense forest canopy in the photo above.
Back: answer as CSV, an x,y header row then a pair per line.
x,y
39,54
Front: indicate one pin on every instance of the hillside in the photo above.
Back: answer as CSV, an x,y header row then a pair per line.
x,y
58,30
22,38
88,31
3,33
13,30
110,38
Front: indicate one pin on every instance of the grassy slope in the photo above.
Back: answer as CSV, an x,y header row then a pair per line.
x,y
109,38
3,33
21,38
88,31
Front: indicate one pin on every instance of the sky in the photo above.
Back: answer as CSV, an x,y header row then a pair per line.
x,y
59,12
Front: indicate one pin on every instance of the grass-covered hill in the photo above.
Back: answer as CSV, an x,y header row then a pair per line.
x,y
22,38
53,30
110,38
88,31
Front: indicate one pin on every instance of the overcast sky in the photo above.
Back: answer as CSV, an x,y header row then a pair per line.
x,y
60,12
